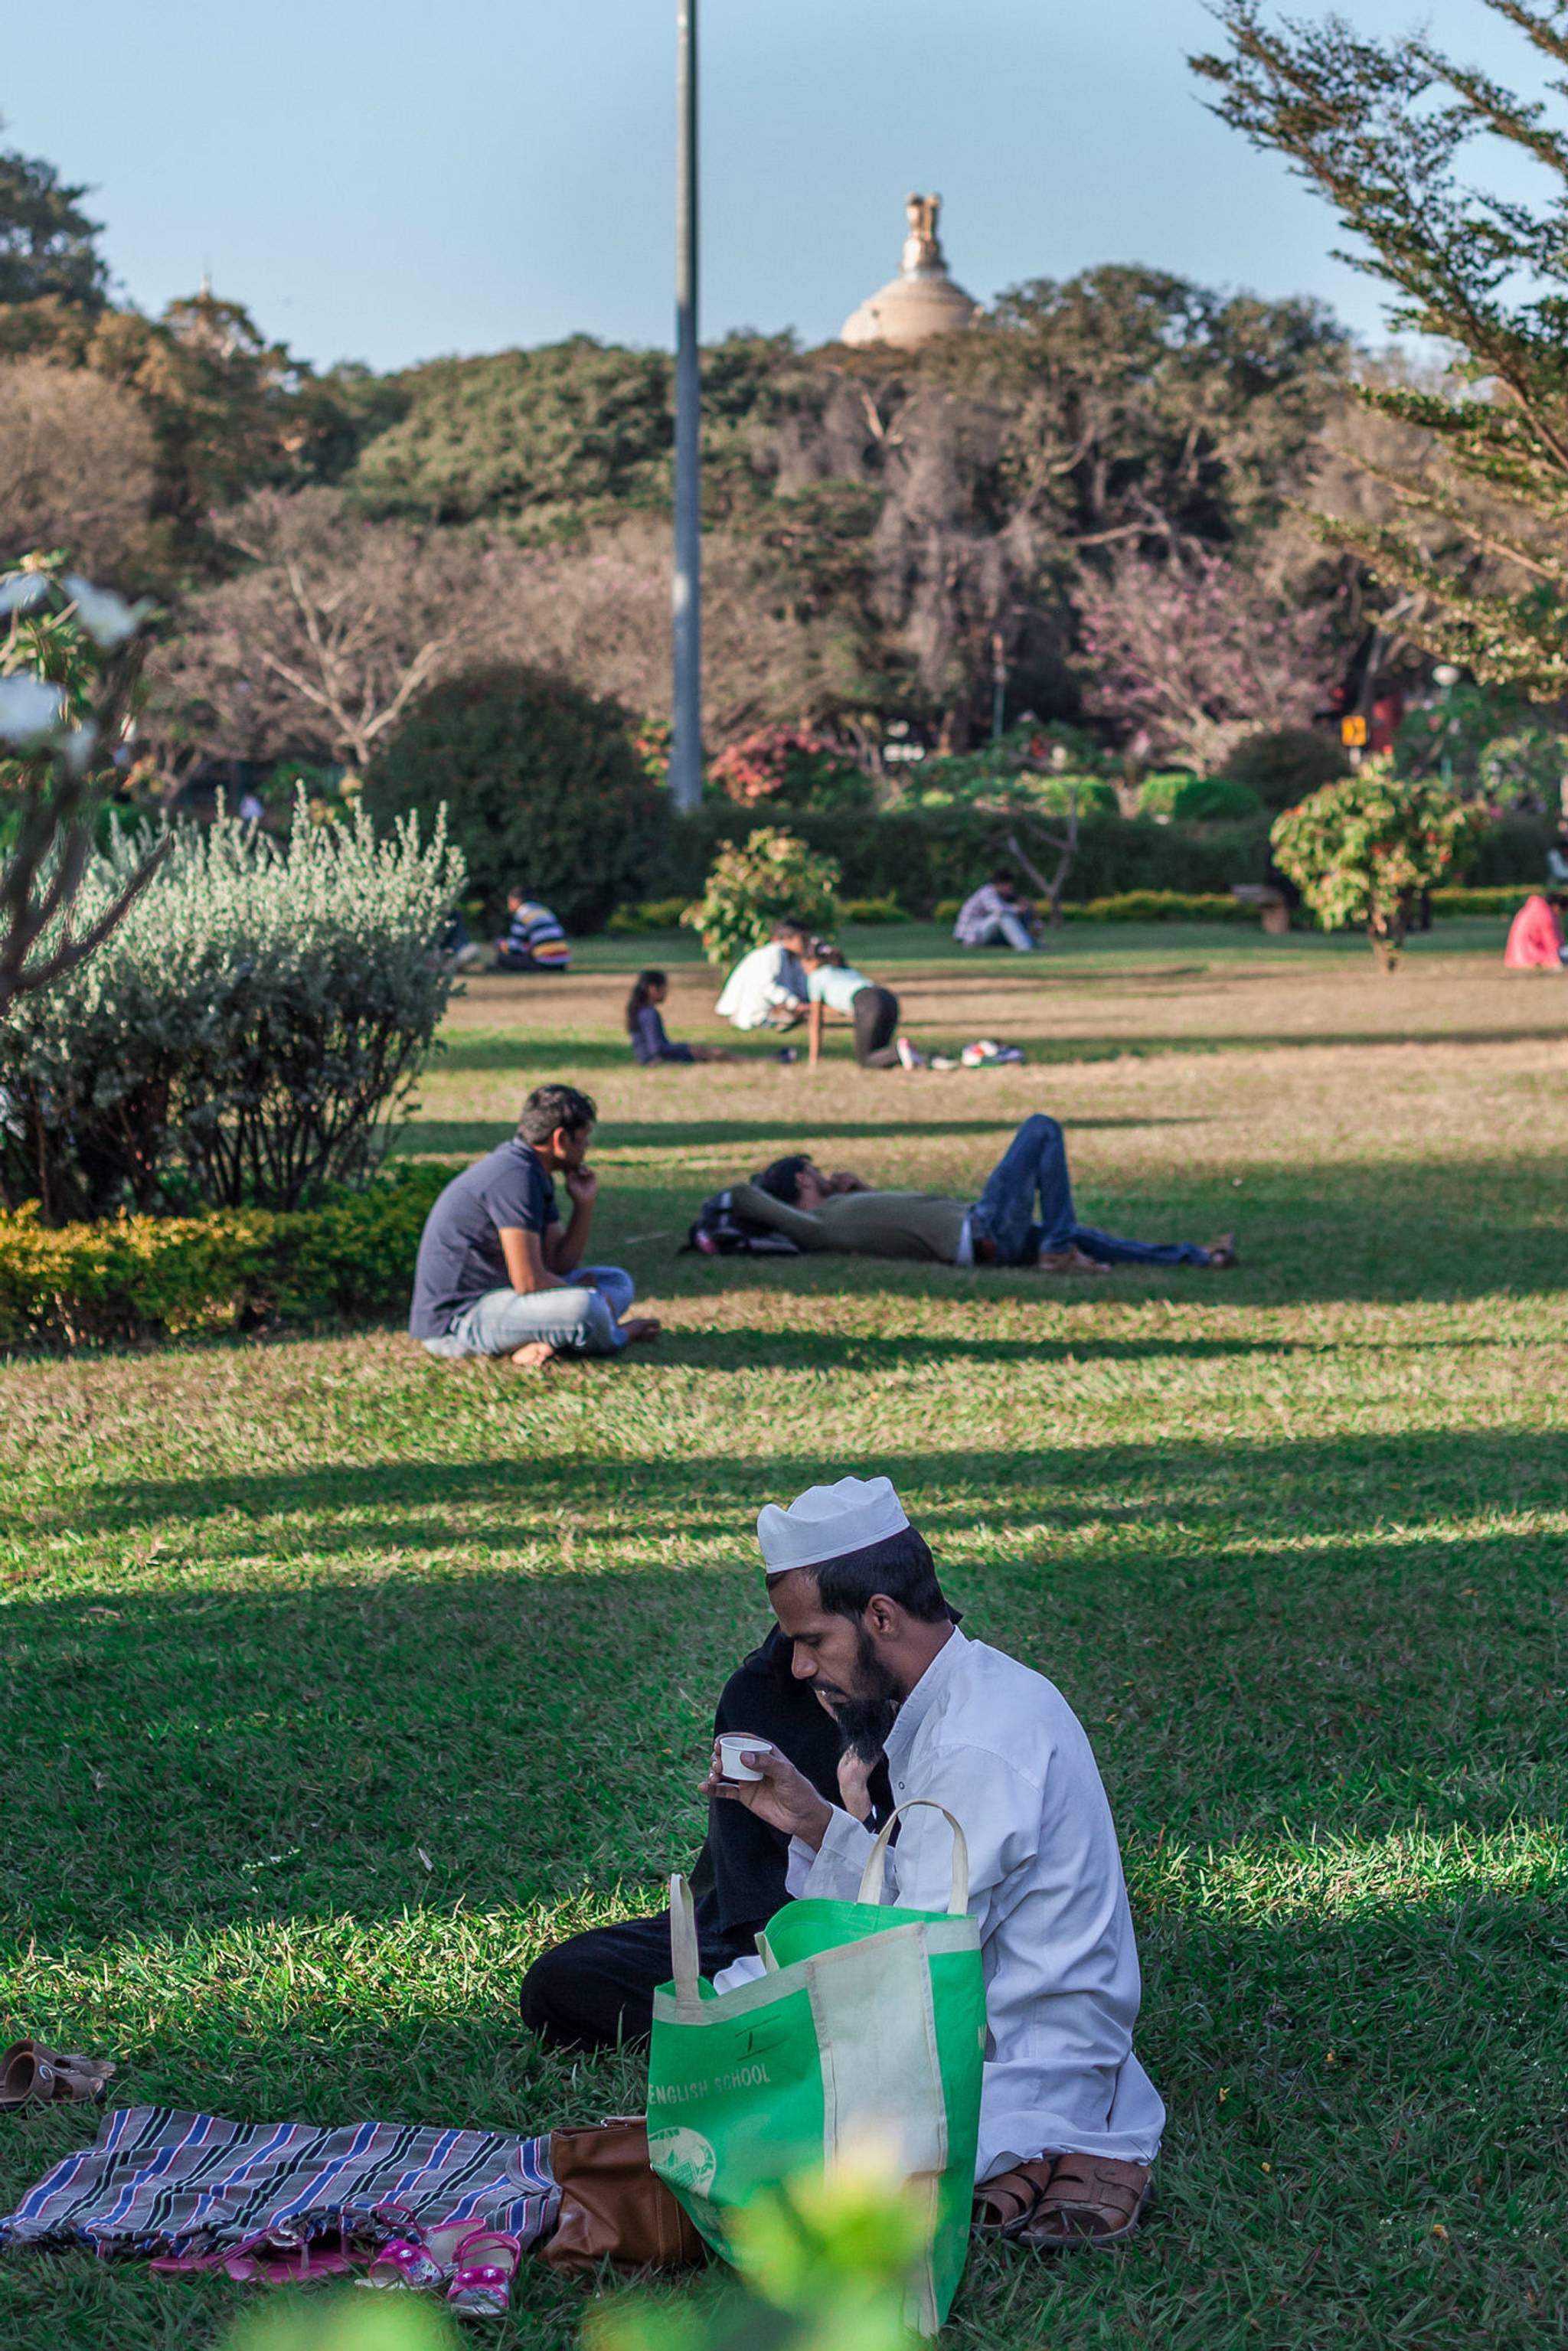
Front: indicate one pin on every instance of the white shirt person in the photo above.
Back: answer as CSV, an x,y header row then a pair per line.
x,y
764,983
1000,1747
1069,2121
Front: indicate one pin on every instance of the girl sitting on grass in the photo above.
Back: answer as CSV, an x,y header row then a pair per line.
x,y
645,1026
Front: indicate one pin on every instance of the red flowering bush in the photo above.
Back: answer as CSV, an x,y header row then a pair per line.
x,y
791,766
1364,851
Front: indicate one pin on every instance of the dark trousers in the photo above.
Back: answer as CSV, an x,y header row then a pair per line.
x,y
876,1022
598,1988
524,959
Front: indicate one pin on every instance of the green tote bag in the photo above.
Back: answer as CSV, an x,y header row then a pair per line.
x,y
869,2024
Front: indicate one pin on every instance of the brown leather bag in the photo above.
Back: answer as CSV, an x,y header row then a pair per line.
x,y
614,2205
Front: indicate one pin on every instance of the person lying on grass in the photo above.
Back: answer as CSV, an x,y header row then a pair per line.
x,y
1070,2121
499,1274
793,1196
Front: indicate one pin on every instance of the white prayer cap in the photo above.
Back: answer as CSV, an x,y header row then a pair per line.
x,y
825,1521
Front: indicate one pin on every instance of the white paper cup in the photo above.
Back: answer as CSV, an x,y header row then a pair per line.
x,y
732,1746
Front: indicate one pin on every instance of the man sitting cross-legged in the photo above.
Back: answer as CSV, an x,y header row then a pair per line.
x,y
497,1274
794,1197
1070,2121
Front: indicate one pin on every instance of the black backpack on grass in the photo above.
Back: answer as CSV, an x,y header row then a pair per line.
x,y
720,1230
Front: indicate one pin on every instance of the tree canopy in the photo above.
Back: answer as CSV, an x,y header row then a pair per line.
x,y
899,510
48,248
1383,130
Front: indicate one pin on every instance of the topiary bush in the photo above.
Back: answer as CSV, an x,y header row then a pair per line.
x,y
752,887
543,786
246,1032
1284,766
1364,850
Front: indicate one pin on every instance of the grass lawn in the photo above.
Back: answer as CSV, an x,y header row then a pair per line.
x,y
337,1682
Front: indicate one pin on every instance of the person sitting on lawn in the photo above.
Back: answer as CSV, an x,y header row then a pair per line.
x,y
841,1212
1535,933
1070,2121
645,1026
767,989
535,941
832,985
499,1274
995,915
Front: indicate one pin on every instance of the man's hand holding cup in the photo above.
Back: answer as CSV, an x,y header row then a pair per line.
x,y
772,1787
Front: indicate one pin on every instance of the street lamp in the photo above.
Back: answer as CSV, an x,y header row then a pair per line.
x,y
686,737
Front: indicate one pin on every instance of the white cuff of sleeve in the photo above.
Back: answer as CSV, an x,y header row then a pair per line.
x,y
834,1870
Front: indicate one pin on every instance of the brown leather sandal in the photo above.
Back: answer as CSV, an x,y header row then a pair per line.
x,y
1091,2199
31,2075
1001,2203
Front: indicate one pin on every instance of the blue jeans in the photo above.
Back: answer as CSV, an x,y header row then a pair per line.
x,y
586,1319
1035,1161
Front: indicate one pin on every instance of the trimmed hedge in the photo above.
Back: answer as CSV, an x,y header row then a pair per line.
x,y
920,856
1164,906
1482,901
648,914
133,1278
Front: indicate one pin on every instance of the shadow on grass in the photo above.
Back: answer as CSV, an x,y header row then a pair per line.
x,y
442,1138
572,1497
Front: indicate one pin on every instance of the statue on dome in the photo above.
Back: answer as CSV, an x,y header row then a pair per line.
x,y
922,247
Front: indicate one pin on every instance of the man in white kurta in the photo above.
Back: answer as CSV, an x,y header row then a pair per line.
x,y
1000,1747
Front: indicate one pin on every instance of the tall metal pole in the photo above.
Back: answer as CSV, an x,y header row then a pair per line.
x,y
687,747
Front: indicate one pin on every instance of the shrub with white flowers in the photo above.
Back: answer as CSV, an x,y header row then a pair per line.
x,y
246,1034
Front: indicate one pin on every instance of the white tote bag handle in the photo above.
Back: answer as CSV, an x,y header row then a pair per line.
x,y
684,1965
870,1876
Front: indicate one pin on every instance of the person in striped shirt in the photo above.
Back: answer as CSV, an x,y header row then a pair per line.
x,y
534,940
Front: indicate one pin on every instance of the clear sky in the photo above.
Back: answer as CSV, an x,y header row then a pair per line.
x,y
388,180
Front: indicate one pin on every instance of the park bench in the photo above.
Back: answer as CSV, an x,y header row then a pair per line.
x,y
1271,905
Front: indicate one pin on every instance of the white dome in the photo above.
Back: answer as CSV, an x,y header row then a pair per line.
x,y
922,302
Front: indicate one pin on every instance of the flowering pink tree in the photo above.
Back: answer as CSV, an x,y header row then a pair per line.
x,y
1196,654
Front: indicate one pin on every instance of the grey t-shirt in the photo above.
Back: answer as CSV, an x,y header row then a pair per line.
x,y
460,1254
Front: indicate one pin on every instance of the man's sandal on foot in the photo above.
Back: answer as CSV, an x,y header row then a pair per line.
x,y
1091,2199
1002,2203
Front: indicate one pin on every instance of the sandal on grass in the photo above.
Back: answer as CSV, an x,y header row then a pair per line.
x,y
1001,2203
418,2259
31,2075
1092,2199
487,2262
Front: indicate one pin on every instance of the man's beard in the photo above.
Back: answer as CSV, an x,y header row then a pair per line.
x,y
866,1718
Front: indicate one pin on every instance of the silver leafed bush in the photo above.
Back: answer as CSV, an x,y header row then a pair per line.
x,y
246,1035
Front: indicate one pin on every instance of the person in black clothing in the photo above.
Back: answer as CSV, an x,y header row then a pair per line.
x,y
598,1988
645,1026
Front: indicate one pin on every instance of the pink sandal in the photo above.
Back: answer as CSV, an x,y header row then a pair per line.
x,y
419,2259
482,2289
402,2265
